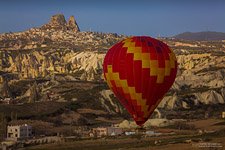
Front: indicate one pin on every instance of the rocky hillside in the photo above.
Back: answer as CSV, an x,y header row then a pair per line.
x,y
58,62
53,48
201,36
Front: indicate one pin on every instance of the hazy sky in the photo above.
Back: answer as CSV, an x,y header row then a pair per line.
x,y
139,17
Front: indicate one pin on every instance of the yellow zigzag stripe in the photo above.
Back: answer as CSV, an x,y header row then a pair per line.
x,y
111,76
148,63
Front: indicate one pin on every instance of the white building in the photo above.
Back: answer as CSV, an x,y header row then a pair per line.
x,y
18,132
223,115
130,133
106,131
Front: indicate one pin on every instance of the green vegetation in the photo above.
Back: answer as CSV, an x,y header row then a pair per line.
x,y
181,126
33,110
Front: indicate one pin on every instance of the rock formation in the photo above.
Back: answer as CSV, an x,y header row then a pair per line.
x,y
72,24
58,22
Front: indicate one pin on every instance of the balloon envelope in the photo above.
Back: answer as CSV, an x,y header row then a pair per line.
x,y
140,70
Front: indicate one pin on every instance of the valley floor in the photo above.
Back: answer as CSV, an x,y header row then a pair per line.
x,y
213,137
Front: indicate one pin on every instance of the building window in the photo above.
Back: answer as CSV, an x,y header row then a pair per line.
x,y
15,135
16,130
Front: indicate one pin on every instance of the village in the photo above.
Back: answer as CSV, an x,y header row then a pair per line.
x,y
23,135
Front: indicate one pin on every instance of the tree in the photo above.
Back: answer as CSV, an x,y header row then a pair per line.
x,y
3,123
6,92
34,93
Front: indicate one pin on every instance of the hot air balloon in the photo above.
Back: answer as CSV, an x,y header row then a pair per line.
x,y
140,70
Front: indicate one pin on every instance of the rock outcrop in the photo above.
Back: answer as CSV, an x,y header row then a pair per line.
x,y
72,24
58,22
210,97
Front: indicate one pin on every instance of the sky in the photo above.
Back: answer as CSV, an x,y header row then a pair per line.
x,y
130,17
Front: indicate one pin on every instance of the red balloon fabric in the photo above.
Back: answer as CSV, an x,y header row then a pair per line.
x,y
140,70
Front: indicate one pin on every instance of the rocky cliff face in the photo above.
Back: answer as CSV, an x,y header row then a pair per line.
x,y
72,24
58,53
57,20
